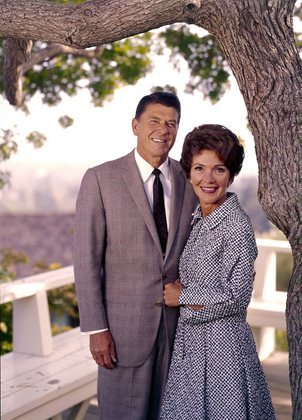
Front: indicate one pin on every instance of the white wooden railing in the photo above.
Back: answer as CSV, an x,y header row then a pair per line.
x,y
30,308
45,375
266,311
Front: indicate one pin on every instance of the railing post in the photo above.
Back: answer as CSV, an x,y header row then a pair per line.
x,y
265,287
31,325
266,271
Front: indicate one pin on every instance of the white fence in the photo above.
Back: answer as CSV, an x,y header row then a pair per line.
x,y
30,308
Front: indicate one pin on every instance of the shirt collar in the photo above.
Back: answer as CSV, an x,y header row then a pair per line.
x,y
145,169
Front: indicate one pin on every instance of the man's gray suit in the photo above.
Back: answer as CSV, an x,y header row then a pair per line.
x,y
120,271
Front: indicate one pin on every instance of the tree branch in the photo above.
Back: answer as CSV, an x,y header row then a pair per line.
x,y
77,26
17,51
94,22
53,50
18,61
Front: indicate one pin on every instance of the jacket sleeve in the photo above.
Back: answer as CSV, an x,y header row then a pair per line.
x,y
237,276
89,249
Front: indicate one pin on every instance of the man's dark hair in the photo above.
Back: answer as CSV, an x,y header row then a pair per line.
x,y
163,98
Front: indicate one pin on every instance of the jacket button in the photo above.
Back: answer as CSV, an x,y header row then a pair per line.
x,y
158,303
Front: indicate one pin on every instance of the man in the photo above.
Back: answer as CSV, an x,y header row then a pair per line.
x,y
122,262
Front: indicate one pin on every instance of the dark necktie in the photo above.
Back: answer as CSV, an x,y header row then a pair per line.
x,y
159,209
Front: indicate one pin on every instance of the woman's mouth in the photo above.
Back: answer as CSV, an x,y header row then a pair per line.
x,y
208,190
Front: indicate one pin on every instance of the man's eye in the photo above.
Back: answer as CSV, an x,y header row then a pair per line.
x,y
171,124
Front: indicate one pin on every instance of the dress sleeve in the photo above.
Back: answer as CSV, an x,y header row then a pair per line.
x,y
237,276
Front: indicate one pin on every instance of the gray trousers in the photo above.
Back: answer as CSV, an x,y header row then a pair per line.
x,y
126,393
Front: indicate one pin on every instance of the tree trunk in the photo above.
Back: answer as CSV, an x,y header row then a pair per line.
x,y
257,39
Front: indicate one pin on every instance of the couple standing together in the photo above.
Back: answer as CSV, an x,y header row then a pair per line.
x,y
130,299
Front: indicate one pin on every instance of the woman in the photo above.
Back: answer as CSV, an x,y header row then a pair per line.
x,y
215,372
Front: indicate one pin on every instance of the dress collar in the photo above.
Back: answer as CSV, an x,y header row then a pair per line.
x,y
214,218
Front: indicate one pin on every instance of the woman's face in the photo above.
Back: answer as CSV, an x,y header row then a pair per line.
x,y
210,179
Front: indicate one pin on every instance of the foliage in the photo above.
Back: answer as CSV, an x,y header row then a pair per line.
x,y
281,341
208,67
58,329
298,35
65,121
117,64
36,139
6,328
63,301
8,146
112,66
166,88
9,259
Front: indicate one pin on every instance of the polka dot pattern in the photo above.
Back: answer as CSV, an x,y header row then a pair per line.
x,y
215,372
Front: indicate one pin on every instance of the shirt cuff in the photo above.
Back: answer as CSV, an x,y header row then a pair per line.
x,y
93,332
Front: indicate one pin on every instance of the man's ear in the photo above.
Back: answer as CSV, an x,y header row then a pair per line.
x,y
134,126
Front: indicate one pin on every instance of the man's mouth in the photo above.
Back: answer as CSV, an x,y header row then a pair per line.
x,y
161,141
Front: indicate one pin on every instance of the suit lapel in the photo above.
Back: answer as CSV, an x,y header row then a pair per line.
x,y
135,185
177,196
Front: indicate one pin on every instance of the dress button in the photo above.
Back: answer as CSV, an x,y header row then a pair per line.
x,y
158,303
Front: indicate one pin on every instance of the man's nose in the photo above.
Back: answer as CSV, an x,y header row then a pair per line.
x,y
163,127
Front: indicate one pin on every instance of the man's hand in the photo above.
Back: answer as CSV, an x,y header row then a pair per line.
x,y
103,349
172,293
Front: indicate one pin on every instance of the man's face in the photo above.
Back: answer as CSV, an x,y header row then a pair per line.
x,y
156,131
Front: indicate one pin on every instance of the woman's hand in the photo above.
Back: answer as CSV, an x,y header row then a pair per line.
x,y
172,293
195,307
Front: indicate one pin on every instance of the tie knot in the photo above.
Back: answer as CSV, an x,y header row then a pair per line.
x,y
156,172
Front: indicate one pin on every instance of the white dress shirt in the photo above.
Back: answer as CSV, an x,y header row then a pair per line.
x,y
145,170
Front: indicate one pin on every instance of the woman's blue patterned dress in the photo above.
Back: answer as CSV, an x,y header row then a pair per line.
x,y
215,373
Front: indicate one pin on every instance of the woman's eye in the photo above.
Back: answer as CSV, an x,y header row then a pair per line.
x,y
220,170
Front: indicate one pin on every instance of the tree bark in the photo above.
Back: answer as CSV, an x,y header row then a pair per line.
x,y
91,23
17,52
257,39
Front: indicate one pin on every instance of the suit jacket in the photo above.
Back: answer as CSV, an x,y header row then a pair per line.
x,y
119,268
